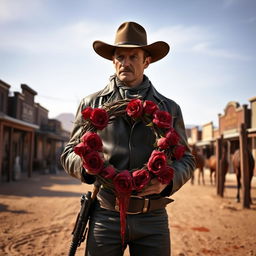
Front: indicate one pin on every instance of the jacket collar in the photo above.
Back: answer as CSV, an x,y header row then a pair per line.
x,y
110,90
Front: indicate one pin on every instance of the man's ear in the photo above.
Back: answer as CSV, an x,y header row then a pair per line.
x,y
147,61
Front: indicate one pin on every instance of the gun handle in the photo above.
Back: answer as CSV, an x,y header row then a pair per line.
x,y
95,192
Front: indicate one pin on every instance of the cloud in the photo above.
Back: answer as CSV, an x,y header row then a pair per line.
x,y
181,36
228,3
250,20
195,39
69,39
207,49
11,10
76,38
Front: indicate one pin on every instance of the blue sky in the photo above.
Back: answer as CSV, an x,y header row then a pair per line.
x,y
47,44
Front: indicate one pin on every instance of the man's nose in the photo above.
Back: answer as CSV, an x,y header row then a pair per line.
x,y
125,62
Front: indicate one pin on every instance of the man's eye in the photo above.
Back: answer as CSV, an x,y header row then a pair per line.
x,y
134,57
120,58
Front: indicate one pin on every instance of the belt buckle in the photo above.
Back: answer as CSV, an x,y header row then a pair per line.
x,y
144,209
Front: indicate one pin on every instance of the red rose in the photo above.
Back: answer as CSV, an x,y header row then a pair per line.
x,y
123,182
92,141
108,172
162,143
99,118
162,119
140,179
80,149
166,175
134,108
179,151
86,113
156,162
150,107
172,137
93,162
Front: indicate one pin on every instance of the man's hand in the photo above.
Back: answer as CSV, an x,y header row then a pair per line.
x,y
155,187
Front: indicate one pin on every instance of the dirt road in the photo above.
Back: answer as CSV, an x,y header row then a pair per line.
x,y
37,216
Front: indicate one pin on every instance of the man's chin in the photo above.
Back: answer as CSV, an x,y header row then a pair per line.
x,y
124,78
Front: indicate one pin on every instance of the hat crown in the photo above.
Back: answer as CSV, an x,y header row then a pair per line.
x,y
131,33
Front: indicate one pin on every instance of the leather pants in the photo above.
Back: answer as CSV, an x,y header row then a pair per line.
x,y
147,234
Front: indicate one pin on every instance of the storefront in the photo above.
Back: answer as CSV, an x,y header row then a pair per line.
x,y
252,129
230,125
16,154
207,143
29,140
49,144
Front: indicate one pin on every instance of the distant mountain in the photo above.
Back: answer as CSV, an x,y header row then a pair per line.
x,y
67,120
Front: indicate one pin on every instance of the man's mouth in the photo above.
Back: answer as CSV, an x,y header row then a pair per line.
x,y
125,71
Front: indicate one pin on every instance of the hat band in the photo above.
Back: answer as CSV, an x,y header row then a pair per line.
x,y
129,43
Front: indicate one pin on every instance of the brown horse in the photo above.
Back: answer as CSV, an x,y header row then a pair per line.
x,y
237,170
200,162
211,163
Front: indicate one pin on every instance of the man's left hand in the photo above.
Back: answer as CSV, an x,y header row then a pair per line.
x,y
155,187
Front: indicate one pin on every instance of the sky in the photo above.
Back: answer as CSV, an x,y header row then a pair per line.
x,y
47,44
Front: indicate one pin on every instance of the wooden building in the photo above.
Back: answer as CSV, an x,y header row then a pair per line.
x,y
230,125
229,129
252,129
195,135
28,140
17,131
207,143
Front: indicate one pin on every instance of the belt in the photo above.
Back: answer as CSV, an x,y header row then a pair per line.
x,y
137,204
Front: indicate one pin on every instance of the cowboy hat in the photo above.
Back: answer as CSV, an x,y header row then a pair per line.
x,y
131,35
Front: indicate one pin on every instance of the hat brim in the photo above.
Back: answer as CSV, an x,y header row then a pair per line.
x,y
157,50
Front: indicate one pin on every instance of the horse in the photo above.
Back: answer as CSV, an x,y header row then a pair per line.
x,y
200,162
237,170
211,163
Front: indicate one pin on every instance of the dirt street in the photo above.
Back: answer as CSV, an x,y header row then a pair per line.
x,y
37,217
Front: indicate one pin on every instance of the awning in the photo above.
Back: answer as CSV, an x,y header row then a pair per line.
x,y
204,143
16,121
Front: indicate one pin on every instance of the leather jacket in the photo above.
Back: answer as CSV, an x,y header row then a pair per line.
x,y
128,145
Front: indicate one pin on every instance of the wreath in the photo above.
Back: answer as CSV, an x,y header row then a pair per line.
x,y
167,148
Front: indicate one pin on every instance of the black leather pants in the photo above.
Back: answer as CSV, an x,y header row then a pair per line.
x,y
146,234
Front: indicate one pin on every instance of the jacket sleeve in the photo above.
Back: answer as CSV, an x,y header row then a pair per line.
x,y
70,161
183,168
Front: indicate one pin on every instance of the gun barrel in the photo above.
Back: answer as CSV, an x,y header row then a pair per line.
x,y
79,231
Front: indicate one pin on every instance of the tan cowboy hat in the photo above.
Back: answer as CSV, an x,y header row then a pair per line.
x,y
132,35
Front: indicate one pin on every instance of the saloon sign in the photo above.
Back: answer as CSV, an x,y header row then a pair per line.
x,y
234,115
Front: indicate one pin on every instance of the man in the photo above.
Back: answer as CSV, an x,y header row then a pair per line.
x,y
127,146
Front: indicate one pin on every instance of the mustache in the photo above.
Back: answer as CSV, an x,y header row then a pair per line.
x,y
126,70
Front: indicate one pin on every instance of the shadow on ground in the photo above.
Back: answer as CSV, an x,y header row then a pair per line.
x,y
39,185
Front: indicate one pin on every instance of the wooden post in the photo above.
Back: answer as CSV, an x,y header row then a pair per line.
x,y
218,169
223,166
31,153
10,159
1,148
244,165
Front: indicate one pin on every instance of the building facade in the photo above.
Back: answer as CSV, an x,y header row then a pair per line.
x,y
252,129
230,123
29,140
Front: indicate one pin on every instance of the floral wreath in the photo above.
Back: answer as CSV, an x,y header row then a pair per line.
x,y
167,148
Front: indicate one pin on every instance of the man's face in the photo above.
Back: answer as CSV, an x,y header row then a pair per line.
x,y
130,64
